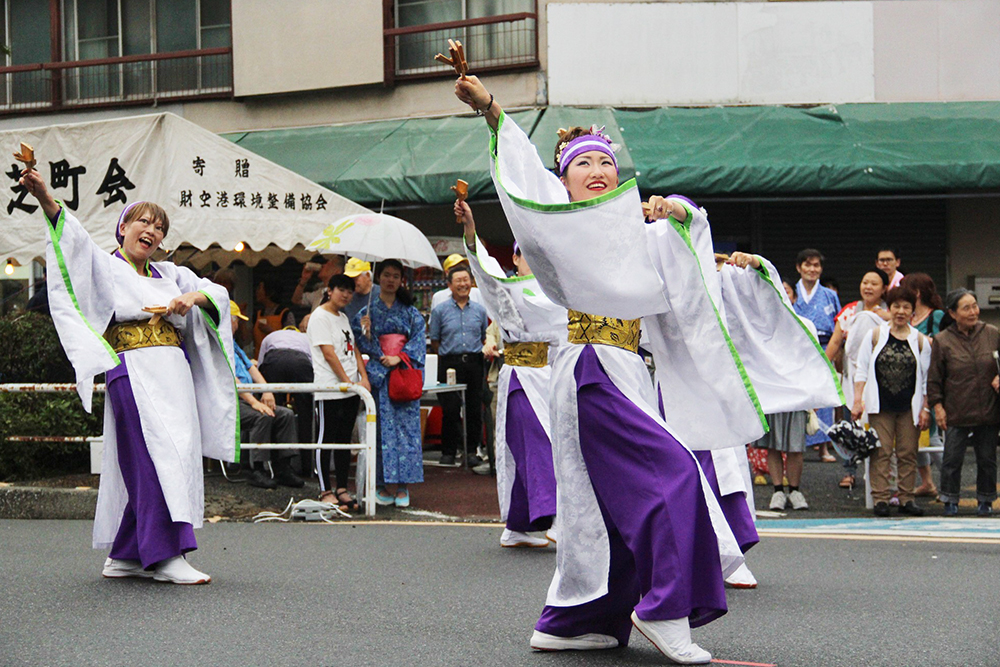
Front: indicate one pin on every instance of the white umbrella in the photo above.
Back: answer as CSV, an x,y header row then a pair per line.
x,y
373,237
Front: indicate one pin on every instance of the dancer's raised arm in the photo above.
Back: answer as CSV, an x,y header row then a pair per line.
x,y
35,185
470,90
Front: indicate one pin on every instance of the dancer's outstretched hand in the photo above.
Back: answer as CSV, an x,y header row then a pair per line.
x,y
470,90
35,185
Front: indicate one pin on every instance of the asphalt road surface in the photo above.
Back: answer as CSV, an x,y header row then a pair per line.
x,y
408,594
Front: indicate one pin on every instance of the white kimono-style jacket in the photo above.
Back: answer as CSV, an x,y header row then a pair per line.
x,y
187,403
719,371
523,314
920,346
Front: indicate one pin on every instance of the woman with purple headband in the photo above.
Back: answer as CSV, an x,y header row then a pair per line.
x,y
643,541
154,329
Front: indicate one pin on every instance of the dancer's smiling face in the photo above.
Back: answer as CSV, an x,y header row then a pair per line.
x,y
142,235
590,175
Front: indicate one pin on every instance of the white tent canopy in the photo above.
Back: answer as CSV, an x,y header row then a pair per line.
x,y
214,191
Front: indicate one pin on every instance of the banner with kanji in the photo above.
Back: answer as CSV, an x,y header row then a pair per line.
x,y
214,191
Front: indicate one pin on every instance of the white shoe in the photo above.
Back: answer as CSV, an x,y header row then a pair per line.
x,y
118,568
673,639
798,500
177,570
742,578
552,534
512,538
541,641
778,500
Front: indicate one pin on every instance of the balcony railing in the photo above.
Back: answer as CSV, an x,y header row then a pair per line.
x,y
492,43
140,79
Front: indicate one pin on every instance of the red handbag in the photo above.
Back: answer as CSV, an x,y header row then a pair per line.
x,y
405,384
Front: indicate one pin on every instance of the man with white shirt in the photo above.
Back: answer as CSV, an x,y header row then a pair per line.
x,y
284,357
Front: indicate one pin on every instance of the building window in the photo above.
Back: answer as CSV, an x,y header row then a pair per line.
x,y
98,29
497,34
134,50
26,33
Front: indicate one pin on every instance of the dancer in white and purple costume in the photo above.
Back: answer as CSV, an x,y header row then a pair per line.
x,y
168,403
653,553
667,541
532,328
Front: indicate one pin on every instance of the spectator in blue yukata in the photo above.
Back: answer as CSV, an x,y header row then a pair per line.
x,y
820,306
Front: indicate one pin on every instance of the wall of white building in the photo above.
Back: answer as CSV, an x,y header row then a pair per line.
x,y
281,47
655,54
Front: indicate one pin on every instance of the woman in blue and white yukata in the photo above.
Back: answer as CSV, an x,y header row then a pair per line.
x,y
643,540
385,329
532,328
171,392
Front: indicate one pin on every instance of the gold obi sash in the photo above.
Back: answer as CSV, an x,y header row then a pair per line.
x,y
597,330
533,355
126,336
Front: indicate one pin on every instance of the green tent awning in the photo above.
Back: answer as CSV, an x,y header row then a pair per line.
x,y
411,161
843,149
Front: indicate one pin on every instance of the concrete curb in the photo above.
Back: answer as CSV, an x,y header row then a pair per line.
x,y
32,502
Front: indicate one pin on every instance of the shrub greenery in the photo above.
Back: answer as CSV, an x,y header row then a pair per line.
x,y
30,352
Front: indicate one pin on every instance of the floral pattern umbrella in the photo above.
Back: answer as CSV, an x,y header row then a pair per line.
x,y
373,237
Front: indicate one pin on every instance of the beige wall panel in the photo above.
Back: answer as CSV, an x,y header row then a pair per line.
x,y
281,47
906,51
806,52
970,50
638,59
409,100
973,244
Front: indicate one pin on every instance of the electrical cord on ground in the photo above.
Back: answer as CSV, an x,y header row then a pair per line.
x,y
306,509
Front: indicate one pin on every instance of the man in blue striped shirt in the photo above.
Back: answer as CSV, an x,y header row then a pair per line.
x,y
458,331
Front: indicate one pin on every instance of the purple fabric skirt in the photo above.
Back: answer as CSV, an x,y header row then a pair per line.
x,y
664,553
147,533
533,496
734,506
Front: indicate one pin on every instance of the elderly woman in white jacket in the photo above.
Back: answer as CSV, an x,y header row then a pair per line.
x,y
890,385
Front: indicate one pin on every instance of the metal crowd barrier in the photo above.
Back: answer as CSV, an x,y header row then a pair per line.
x,y
368,444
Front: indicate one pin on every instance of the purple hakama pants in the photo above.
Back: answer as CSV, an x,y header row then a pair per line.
x,y
734,506
147,533
664,553
533,496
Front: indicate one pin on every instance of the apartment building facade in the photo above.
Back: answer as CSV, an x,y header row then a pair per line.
x,y
836,124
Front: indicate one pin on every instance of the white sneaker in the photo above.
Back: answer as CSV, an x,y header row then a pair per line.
x,y
177,570
541,641
797,500
673,639
118,568
512,538
778,500
742,578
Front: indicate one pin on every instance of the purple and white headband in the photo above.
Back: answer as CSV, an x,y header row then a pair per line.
x,y
121,219
597,140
